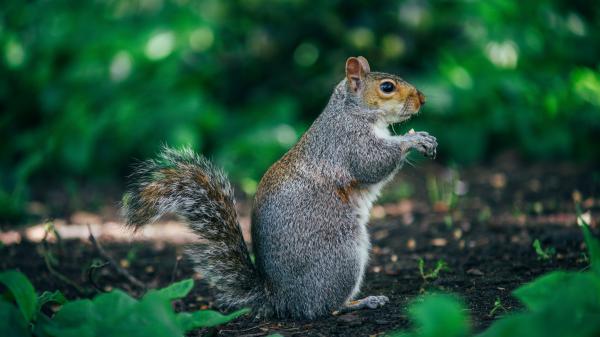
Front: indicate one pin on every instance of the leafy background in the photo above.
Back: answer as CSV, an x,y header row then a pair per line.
x,y
87,86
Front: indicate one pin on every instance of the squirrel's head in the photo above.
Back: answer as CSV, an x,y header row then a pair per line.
x,y
388,94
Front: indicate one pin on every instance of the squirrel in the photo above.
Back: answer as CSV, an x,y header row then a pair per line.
x,y
311,208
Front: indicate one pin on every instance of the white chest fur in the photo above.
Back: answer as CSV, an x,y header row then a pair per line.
x,y
363,201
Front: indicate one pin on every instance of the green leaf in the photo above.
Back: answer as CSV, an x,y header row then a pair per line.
x,y
77,314
41,324
177,290
541,253
559,305
536,294
57,330
116,314
438,315
206,318
12,323
114,304
511,325
21,289
46,296
151,316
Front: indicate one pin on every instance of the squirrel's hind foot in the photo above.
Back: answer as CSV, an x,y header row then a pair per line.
x,y
369,302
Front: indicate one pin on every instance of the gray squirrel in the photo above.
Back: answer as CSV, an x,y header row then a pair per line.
x,y
311,208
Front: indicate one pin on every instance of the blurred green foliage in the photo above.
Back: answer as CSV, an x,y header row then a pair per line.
x,y
113,313
88,85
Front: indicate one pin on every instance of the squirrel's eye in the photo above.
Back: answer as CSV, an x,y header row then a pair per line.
x,y
387,87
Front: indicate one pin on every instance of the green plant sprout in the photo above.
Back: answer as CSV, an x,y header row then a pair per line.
x,y
433,273
448,221
543,254
497,306
132,254
442,191
110,314
484,214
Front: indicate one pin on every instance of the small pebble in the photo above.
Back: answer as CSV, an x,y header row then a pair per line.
x,y
475,271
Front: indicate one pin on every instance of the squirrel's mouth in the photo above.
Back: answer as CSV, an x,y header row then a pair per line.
x,y
399,113
401,116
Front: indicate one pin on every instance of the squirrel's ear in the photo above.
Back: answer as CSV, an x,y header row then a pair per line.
x,y
356,70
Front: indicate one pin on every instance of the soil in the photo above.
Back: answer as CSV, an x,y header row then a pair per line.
x,y
484,234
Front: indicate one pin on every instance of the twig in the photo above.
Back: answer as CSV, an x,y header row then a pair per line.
x,y
262,333
177,259
247,329
132,279
46,255
258,334
60,276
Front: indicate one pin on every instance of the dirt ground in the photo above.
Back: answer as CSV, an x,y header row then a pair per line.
x,y
482,226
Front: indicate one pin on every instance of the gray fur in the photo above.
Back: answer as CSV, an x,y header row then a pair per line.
x,y
310,245
309,217
208,206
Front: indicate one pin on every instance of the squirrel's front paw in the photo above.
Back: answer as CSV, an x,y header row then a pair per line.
x,y
422,142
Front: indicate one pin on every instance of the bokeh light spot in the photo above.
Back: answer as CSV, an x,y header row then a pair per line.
x,y
14,54
393,46
502,54
160,45
361,38
586,84
412,13
202,39
306,54
285,135
460,77
120,67
576,25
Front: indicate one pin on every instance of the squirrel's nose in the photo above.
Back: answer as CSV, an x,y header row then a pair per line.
x,y
421,97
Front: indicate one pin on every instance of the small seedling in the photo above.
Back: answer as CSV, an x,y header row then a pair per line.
x,y
543,254
448,221
583,258
485,214
132,255
497,306
434,273
444,191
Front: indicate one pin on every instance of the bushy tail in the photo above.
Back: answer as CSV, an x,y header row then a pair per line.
x,y
181,182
